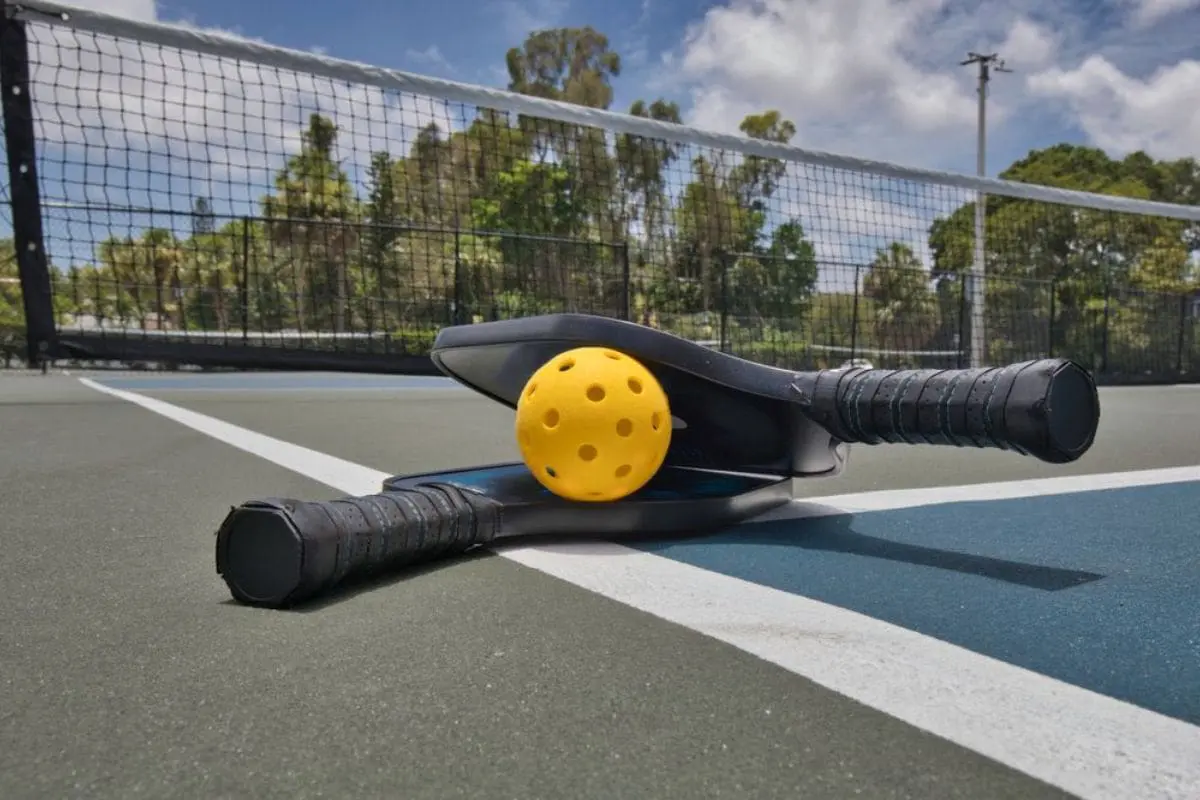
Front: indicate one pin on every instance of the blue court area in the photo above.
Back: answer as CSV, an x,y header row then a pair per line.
x,y
269,381
1100,589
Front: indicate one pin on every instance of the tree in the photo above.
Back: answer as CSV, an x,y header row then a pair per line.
x,y
203,218
571,65
12,301
721,214
309,215
574,65
145,277
756,177
12,308
905,307
538,200
382,218
642,164
1039,255
774,287
710,224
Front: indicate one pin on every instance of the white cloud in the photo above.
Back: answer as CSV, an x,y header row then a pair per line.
x,y
829,65
1029,44
431,56
1150,12
883,78
1159,113
518,17
874,78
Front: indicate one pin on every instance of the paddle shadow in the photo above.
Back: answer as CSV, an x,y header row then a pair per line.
x,y
820,528
369,582
804,526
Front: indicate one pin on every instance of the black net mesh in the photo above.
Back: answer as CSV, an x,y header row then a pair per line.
x,y
214,202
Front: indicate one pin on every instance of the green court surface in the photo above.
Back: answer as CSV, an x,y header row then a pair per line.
x,y
899,649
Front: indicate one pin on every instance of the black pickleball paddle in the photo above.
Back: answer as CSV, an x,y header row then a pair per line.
x,y
742,432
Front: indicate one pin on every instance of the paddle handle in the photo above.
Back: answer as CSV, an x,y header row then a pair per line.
x,y
279,552
1048,409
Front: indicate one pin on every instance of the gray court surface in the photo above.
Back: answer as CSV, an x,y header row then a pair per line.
x,y
126,671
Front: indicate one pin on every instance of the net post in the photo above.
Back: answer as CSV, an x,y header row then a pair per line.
x,y
20,141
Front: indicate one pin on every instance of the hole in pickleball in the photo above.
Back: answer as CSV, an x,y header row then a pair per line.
x,y
550,418
566,364
587,452
623,470
595,393
612,355
655,420
624,427
532,389
550,471
635,385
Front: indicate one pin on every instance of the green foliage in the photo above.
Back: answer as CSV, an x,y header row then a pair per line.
x,y
905,308
1076,260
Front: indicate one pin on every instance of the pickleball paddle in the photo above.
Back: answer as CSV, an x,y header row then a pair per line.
x,y
742,432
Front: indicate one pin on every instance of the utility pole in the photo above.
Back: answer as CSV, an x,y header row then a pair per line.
x,y
987,63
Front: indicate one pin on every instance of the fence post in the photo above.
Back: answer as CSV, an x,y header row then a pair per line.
x,y
854,318
244,289
1183,316
456,317
1050,323
1104,328
626,305
41,330
723,260
962,319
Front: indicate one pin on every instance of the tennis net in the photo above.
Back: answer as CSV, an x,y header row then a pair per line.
x,y
187,180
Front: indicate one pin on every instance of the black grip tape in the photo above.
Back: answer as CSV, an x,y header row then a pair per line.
x,y
279,552
1048,409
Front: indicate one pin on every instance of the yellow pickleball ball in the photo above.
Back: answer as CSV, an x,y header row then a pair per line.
x,y
593,424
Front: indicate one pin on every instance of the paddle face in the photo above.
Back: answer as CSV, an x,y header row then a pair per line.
x,y
675,500
730,414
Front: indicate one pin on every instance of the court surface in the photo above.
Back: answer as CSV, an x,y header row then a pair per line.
x,y
936,623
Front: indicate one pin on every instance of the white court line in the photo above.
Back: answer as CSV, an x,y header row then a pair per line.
x,y
1083,742
892,499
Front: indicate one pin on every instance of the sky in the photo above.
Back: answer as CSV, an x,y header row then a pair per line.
x,y
875,78
878,79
